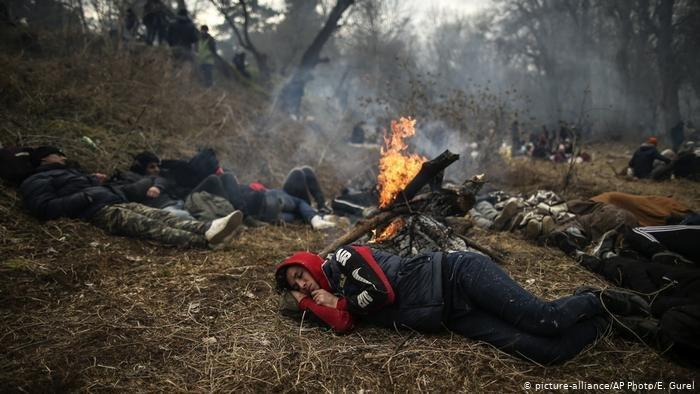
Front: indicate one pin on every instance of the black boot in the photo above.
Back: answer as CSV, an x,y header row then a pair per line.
x,y
618,301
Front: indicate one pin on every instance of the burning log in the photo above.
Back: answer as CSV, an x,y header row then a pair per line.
x,y
430,171
363,227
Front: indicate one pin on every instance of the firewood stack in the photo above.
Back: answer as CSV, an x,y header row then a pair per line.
x,y
421,207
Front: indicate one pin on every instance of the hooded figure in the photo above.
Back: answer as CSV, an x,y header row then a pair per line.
x,y
464,292
182,33
642,161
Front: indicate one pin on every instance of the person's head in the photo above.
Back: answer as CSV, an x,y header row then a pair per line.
x,y
182,12
204,29
300,279
652,140
44,155
146,163
303,272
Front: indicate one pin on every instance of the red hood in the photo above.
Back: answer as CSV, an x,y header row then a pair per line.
x,y
312,262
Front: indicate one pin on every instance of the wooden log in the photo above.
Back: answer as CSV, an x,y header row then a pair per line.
x,y
428,171
362,227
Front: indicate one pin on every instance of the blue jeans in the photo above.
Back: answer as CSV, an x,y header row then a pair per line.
x,y
484,303
292,208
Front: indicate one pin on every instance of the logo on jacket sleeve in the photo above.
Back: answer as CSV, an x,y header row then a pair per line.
x,y
363,299
342,256
357,277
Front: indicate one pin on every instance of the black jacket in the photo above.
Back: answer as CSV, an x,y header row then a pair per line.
x,y
134,186
55,191
182,33
642,161
416,283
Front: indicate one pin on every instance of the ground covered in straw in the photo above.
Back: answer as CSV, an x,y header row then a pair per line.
x,y
82,310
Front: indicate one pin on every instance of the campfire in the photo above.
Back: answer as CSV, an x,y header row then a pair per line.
x,y
396,166
414,205
396,169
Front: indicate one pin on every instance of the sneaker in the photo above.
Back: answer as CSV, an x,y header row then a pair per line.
x,y
509,210
619,301
220,228
533,229
318,223
547,225
606,244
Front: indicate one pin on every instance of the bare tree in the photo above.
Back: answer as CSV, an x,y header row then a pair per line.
x,y
229,11
289,99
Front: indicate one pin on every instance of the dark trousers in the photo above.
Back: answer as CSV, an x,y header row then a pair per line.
x,y
224,185
484,303
155,31
292,208
682,239
302,183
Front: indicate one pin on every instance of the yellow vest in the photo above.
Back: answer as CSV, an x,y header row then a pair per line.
x,y
204,55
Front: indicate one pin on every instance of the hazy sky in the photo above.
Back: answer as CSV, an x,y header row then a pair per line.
x,y
421,9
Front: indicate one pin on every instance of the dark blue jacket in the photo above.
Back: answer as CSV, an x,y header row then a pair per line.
x,y
416,283
55,191
642,161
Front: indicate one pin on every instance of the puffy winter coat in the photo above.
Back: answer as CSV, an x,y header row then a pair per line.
x,y
182,33
377,287
55,191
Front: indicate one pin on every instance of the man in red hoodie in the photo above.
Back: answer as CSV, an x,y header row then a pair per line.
x,y
465,292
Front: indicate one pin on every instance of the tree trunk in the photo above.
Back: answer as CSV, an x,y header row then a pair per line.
x,y
669,104
289,99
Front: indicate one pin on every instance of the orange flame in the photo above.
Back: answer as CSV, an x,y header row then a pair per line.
x,y
396,167
390,230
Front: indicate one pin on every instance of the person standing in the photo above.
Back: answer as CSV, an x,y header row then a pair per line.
x,y
155,20
182,36
206,54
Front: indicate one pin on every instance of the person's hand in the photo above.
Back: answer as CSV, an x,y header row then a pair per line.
x,y
297,295
153,192
324,298
102,178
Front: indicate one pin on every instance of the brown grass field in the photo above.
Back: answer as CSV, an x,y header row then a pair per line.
x,y
81,310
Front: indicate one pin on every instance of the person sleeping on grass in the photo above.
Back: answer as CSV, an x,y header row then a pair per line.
x,y
465,292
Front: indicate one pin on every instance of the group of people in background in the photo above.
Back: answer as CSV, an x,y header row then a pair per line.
x,y
557,146
179,32
188,203
682,160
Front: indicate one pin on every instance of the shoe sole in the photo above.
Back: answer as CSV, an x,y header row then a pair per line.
x,y
231,225
509,211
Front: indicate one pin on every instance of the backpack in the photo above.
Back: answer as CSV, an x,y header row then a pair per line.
x,y
205,206
15,164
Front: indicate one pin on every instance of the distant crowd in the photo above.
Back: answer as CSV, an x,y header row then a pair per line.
x,y
179,32
680,160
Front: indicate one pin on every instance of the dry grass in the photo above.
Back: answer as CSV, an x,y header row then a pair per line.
x,y
84,311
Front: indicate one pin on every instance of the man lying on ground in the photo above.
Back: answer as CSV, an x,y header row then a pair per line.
x,y
464,292
55,190
647,260
292,202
